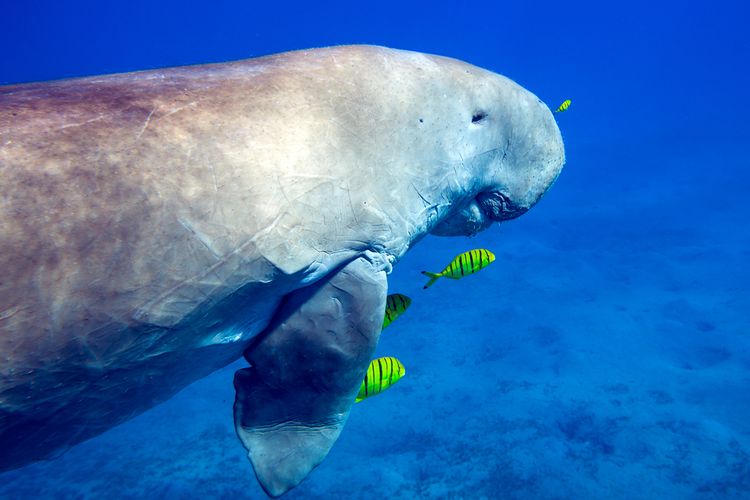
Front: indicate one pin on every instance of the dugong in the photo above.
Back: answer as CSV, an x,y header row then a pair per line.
x,y
156,226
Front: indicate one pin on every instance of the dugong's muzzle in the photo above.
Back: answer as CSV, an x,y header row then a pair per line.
x,y
499,207
479,214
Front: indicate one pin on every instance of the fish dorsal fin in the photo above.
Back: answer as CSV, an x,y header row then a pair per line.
x,y
306,369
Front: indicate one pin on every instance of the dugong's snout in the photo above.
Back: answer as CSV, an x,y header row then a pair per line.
x,y
529,166
514,177
479,214
499,207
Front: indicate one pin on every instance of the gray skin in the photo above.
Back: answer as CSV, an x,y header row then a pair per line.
x,y
155,226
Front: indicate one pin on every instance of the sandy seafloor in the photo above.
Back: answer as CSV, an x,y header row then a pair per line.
x,y
605,354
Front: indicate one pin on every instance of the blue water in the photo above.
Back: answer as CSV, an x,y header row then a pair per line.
x,y
605,354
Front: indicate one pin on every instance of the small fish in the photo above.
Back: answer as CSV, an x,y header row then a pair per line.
x,y
565,105
466,263
381,374
395,305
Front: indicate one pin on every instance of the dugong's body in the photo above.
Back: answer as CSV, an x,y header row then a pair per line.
x,y
156,226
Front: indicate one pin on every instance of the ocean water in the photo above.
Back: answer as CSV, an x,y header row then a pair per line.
x,y
606,352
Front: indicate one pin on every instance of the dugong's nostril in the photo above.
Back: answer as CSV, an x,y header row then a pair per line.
x,y
499,207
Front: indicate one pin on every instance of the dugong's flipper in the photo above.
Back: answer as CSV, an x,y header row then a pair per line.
x,y
305,372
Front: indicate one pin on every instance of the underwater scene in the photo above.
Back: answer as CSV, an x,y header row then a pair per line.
x,y
597,346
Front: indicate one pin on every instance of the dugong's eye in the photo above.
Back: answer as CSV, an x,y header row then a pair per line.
x,y
478,116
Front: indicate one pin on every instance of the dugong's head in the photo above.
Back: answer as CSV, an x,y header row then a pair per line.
x,y
507,141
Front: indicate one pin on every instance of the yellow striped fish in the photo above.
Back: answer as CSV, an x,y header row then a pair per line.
x,y
381,374
395,305
465,264
565,105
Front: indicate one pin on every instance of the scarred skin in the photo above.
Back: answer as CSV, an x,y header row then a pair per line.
x,y
151,223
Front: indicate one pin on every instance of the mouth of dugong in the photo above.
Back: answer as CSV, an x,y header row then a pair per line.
x,y
499,207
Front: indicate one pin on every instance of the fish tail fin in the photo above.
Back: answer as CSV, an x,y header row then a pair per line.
x,y
433,278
